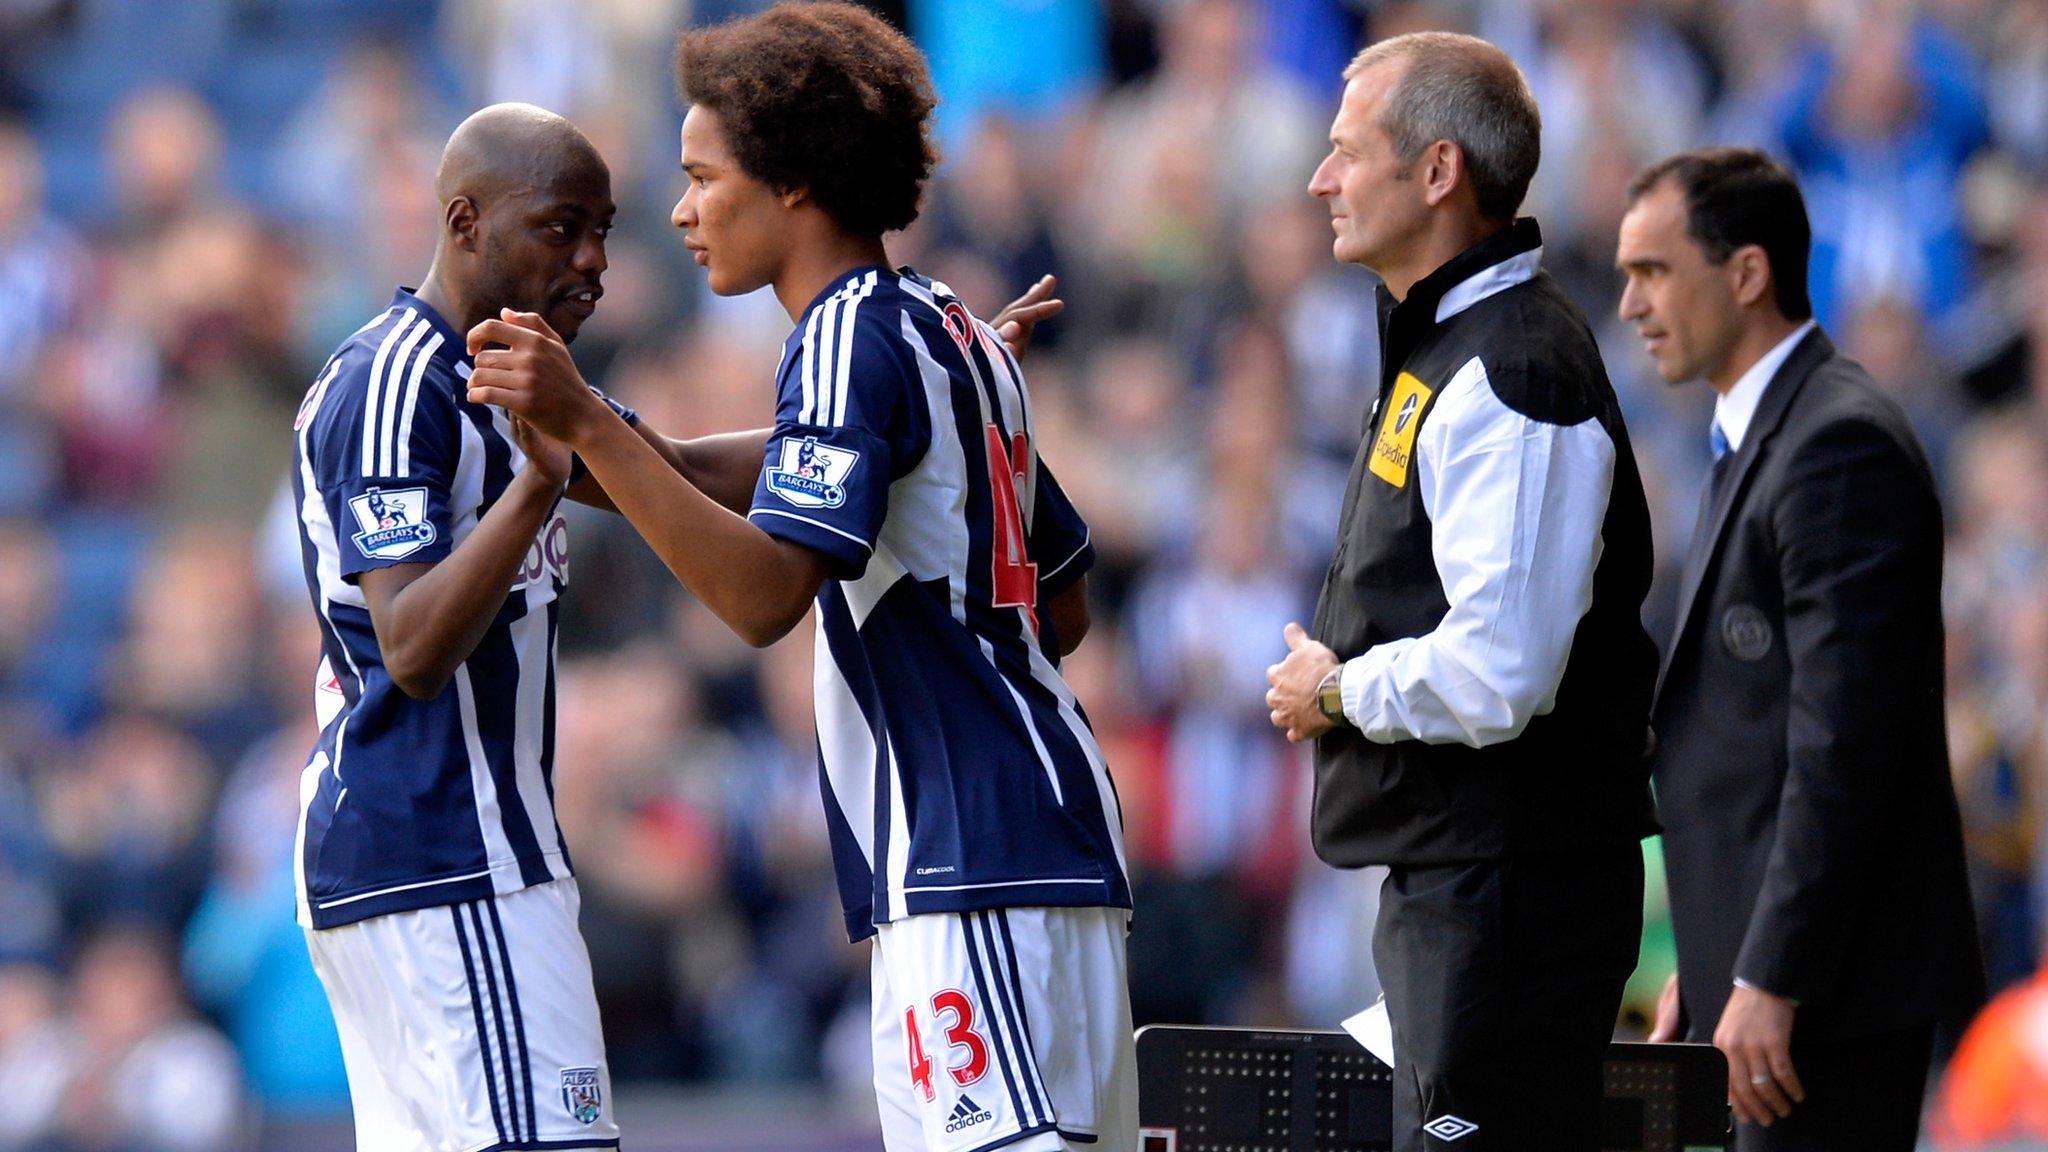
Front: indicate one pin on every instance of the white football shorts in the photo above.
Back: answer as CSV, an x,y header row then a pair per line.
x,y
1007,1028
470,1027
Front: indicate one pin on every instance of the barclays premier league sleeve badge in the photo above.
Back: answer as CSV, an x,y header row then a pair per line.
x,y
394,522
810,474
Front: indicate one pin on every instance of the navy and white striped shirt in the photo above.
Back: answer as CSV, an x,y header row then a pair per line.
x,y
416,803
958,771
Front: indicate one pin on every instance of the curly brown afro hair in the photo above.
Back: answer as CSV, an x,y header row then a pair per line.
x,y
820,96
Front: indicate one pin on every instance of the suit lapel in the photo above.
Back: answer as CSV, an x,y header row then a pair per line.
x,y
1811,353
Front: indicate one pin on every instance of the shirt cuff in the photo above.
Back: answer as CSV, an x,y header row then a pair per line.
x,y
1741,983
1352,684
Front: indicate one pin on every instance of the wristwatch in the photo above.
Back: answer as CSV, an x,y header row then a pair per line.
x,y
1330,696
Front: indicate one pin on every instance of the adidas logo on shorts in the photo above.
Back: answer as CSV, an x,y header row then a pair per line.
x,y
966,1114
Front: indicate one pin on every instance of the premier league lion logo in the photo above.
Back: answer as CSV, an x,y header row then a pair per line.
x,y
387,515
393,521
812,475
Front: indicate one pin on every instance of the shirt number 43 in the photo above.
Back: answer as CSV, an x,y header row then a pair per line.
x,y
960,1033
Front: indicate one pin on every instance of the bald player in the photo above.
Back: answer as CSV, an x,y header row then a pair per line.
x,y
433,883
434,886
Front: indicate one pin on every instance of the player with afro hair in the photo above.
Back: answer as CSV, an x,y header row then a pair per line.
x,y
975,830
826,97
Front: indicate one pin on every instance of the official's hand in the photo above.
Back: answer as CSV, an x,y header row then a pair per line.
x,y
532,376
1015,322
549,458
1292,697
1665,1030
1755,1034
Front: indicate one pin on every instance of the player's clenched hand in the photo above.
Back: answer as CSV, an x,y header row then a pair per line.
x,y
1015,322
531,376
1292,697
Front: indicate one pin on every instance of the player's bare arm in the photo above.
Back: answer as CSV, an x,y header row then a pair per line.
x,y
1066,617
758,585
723,466
429,617
726,465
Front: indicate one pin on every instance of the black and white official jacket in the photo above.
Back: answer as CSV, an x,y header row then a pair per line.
x,y
1487,587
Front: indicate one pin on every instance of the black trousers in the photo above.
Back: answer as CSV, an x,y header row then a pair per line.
x,y
1862,1093
1503,981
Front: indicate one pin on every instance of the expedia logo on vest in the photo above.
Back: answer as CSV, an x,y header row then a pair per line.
x,y
966,1114
1394,448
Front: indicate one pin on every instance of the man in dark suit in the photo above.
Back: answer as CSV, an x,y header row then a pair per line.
x,y
1811,833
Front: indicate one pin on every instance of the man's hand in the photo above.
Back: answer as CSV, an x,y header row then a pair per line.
x,y
1665,1030
532,376
1755,1034
1294,681
549,458
1015,322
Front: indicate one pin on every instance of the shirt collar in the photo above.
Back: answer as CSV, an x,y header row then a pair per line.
x,y
1734,410
1499,278
839,283
1495,264
454,345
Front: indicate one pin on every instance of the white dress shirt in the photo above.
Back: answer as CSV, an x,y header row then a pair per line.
x,y
1734,410
1515,507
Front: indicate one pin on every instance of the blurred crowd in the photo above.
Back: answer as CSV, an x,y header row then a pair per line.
x,y
198,201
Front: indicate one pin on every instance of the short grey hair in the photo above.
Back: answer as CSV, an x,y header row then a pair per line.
x,y
1464,90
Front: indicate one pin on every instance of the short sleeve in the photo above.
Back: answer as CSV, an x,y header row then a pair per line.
x,y
383,449
841,423
1059,538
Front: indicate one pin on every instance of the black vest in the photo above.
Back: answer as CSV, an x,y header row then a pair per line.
x,y
1576,779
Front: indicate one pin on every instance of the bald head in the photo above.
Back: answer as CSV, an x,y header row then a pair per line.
x,y
526,204
509,149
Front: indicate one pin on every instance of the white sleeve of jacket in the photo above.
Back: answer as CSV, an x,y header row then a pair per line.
x,y
1515,507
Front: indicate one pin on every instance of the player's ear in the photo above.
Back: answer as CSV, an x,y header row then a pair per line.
x,y
794,197
1749,273
1443,167
460,218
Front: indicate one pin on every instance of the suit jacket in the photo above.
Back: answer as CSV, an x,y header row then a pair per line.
x,y
1812,838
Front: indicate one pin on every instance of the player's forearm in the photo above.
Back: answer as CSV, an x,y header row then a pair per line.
x,y
758,585
724,466
436,621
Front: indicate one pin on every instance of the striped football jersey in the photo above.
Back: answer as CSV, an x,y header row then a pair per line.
x,y
958,770
416,803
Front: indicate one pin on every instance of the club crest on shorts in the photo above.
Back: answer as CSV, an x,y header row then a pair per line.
x,y
581,1094
393,521
810,474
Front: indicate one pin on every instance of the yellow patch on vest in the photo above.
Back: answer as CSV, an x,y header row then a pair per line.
x,y
1394,447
